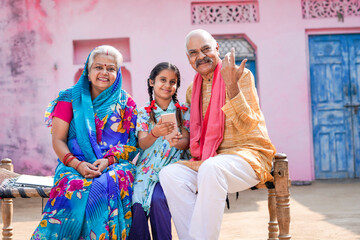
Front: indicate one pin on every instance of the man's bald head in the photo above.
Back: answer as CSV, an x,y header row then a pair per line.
x,y
199,33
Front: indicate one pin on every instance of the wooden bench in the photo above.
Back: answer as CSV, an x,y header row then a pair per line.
x,y
278,199
6,194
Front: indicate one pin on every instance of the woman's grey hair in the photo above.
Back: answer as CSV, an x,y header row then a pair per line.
x,y
106,50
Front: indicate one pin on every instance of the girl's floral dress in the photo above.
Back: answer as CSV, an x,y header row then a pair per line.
x,y
159,155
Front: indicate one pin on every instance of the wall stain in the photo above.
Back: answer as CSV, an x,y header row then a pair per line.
x,y
40,149
17,10
4,24
21,52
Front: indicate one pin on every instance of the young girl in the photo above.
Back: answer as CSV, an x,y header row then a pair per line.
x,y
148,197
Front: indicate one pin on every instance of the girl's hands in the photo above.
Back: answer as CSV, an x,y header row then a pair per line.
x,y
88,170
101,164
163,129
175,140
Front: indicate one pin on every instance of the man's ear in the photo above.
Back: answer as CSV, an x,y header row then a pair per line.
x,y
151,82
217,49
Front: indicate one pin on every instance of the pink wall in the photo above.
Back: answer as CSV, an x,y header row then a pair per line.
x,y
37,60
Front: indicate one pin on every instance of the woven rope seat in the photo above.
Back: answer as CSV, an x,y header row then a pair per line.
x,y
8,189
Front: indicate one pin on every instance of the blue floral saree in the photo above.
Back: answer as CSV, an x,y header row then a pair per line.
x,y
99,208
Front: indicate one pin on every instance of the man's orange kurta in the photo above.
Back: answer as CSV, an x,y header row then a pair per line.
x,y
245,132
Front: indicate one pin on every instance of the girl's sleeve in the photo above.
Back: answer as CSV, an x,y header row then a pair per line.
x,y
186,116
142,123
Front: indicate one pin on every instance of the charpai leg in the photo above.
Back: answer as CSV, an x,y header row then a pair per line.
x,y
7,214
281,178
273,224
7,206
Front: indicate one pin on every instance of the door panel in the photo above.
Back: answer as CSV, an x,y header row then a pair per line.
x,y
332,122
353,42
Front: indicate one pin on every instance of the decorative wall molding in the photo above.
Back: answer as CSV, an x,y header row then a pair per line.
x,y
224,12
330,8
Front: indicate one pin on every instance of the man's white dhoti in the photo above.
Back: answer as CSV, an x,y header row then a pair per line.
x,y
197,199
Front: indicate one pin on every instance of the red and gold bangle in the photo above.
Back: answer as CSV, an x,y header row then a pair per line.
x,y
69,160
66,156
111,160
79,165
152,134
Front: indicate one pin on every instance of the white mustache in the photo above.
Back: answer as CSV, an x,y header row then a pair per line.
x,y
204,60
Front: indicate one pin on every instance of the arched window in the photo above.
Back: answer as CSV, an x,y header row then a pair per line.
x,y
244,48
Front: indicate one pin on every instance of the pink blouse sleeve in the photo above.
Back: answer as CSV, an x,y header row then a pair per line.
x,y
64,111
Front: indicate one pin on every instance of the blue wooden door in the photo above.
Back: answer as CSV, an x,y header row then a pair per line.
x,y
353,42
334,80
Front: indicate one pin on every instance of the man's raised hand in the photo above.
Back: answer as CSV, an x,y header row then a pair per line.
x,y
231,73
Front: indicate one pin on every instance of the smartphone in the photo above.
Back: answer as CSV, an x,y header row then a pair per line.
x,y
170,117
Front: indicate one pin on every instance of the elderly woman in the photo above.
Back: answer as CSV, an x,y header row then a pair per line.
x,y
93,134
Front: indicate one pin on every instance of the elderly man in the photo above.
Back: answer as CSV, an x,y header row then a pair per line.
x,y
229,142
